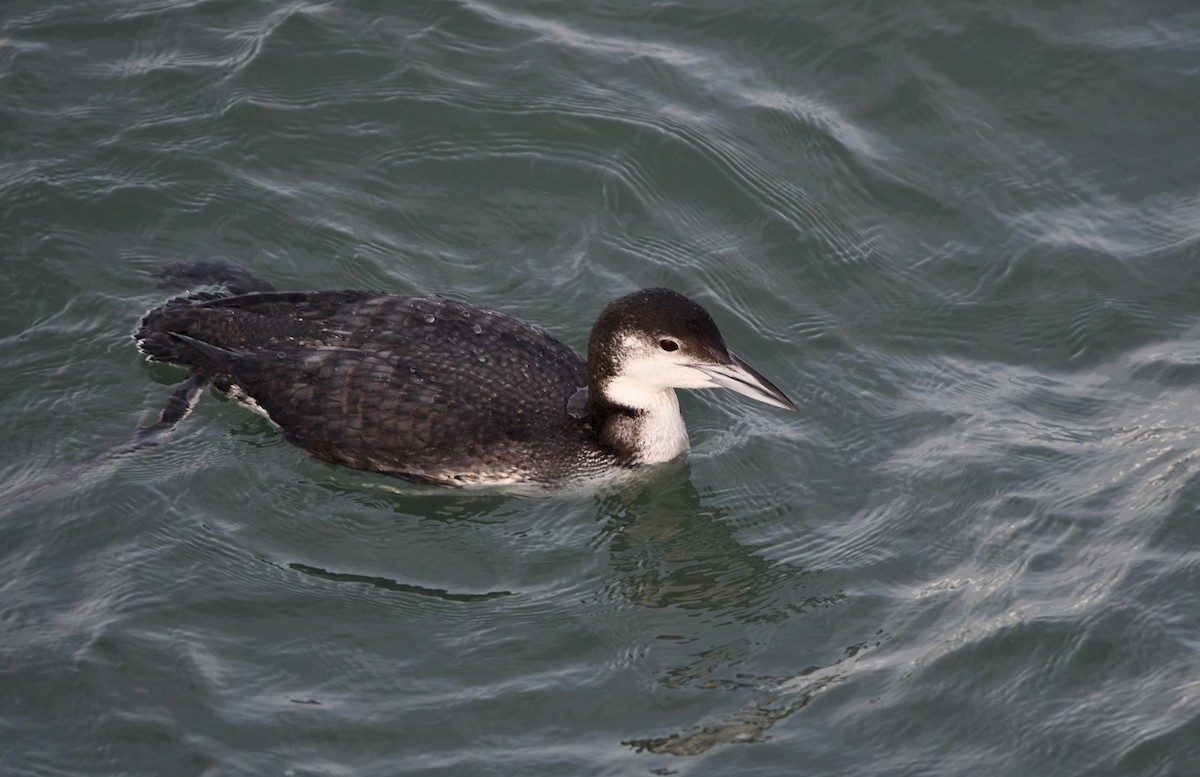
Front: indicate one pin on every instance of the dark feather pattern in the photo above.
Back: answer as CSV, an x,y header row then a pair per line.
x,y
421,387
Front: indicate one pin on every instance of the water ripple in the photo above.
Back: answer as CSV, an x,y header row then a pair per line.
x,y
963,238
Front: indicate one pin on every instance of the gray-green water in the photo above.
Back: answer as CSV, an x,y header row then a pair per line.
x,y
963,236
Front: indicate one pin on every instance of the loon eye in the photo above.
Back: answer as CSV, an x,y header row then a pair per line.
x,y
668,345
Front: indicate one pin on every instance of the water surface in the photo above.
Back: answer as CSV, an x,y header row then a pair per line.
x,y
963,237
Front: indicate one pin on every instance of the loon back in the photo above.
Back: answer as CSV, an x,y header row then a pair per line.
x,y
421,387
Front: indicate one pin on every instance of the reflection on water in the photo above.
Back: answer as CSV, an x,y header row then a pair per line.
x,y
393,585
671,550
775,698
667,550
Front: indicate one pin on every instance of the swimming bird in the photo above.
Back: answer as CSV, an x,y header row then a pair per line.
x,y
431,389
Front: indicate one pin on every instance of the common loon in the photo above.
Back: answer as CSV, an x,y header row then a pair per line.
x,y
434,390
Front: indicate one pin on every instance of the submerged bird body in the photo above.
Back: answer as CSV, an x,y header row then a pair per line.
x,y
432,389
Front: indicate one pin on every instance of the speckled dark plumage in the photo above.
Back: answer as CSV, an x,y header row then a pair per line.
x,y
420,387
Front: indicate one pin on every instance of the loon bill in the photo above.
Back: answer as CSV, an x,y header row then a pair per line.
x,y
434,390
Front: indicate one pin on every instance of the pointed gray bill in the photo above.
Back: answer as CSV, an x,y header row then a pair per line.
x,y
744,379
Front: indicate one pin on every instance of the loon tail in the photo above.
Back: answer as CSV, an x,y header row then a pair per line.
x,y
155,334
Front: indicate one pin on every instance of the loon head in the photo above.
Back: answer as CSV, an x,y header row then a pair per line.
x,y
643,346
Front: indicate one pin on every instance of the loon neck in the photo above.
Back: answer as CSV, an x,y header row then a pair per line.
x,y
642,427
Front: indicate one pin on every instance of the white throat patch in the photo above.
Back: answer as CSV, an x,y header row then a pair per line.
x,y
661,433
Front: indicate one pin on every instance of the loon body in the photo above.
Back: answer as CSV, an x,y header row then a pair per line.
x,y
435,390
